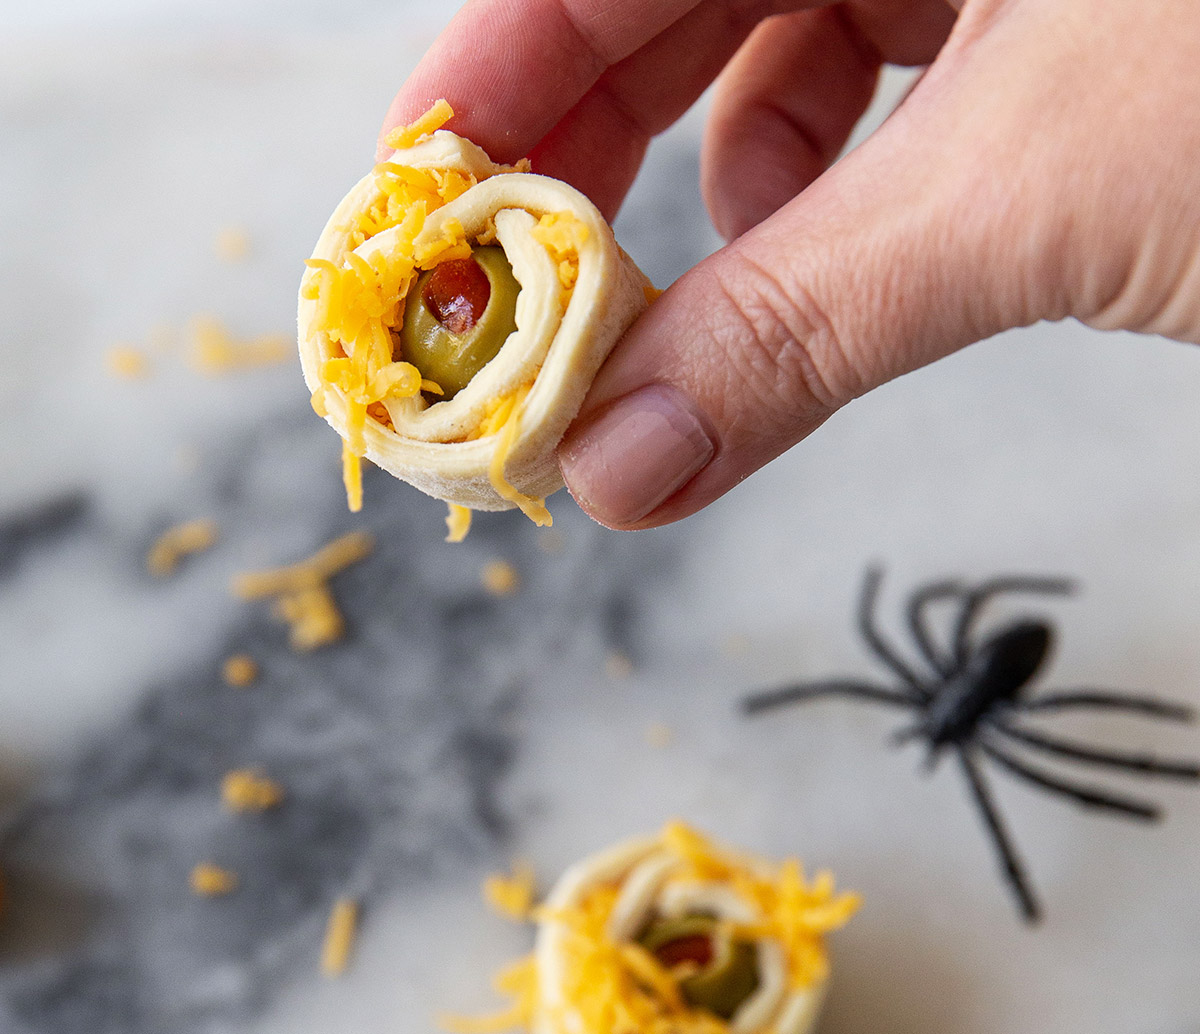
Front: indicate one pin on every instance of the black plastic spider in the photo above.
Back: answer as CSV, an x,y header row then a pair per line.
x,y
971,702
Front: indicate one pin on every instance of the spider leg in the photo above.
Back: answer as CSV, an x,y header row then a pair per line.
x,y
772,698
979,596
1014,872
1143,764
1149,707
942,663
875,642
1088,796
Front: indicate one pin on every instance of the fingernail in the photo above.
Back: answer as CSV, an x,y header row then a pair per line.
x,y
636,453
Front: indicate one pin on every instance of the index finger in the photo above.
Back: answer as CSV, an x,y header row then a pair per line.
x,y
511,69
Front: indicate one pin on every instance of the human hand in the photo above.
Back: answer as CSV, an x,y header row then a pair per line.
x,y
1044,166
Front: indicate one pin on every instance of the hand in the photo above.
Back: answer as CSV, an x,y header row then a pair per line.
x,y
1046,165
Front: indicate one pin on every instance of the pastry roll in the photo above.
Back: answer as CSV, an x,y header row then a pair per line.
x,y
453,316
676,935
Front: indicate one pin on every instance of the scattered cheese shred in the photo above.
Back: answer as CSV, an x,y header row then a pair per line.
x,y
518,982
513,895
618,987
301,591
339,937
458,522
499,578
127,362
246,789
352,477
239,670
215,351
618,666
659,735
178,542
508,417
432,120
563,234
232,244
211,881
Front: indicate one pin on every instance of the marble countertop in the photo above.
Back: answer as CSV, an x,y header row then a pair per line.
x,y
452,731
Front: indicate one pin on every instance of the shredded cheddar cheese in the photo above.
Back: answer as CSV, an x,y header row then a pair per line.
x,y
432,120
339,937
500,578
127,362
513,895
301,594
232,244
245,789
618,666
458,522
215,351
563,234
211,881
239,670
507,417
619,987
178,542
659,735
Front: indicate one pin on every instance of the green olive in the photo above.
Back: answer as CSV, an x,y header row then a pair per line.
x,y
726,971
457,316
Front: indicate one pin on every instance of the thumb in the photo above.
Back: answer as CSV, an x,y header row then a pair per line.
x,y
887,262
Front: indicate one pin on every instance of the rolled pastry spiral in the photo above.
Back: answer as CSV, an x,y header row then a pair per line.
x,y
674,934
490,446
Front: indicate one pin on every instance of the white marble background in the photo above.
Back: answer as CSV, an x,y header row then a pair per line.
x,y
453,731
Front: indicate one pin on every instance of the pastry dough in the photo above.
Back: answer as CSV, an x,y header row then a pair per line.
x,y
491,446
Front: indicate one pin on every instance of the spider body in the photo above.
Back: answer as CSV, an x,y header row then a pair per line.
x,y
988,679
969,697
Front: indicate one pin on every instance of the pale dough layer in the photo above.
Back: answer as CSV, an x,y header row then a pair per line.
x,y
559,352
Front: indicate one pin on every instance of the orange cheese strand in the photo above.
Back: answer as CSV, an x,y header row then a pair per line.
x,y
562,234
509,418
458,522
432,120
178,542
301,593
340,931
512,896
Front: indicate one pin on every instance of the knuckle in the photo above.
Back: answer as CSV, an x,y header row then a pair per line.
x,y
786,347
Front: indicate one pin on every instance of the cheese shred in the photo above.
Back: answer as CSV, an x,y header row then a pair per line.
x,y
301,593
340,931
239,670
458,522
211,881
178,542
216,351
512,895
246,789
432,120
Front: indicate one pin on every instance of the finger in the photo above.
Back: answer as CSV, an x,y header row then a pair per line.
x,y
584,108
598,145
788,101
512,68
885,263
903,32
783,107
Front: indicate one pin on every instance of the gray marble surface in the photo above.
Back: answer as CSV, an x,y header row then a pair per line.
x,y
453,730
